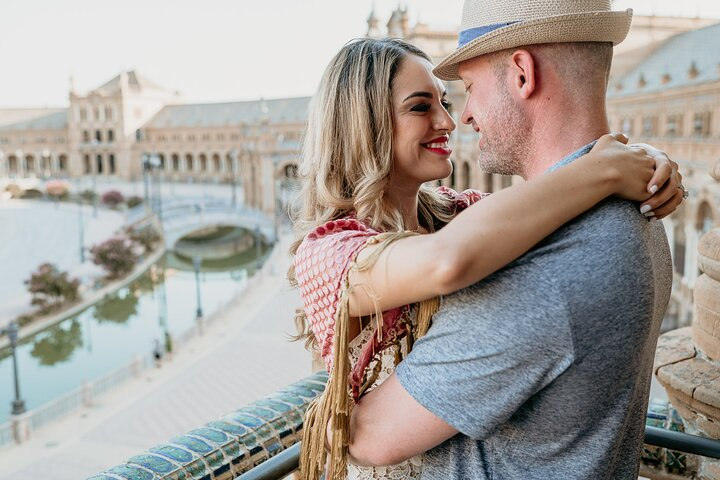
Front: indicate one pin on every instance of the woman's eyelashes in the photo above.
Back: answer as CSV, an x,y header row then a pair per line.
x,y
424,107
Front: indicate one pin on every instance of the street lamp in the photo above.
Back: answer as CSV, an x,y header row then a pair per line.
x,y
257,245
197,262
155,164
233,173
18,404
81,230
94,170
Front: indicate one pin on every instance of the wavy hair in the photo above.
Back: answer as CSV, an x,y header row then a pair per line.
x,y
347,156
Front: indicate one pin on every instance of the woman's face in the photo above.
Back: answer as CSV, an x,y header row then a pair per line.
x,y
422,125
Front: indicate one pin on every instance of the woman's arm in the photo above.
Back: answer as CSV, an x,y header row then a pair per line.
x,y
502,227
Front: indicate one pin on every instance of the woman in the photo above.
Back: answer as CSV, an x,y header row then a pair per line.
x,y
378,131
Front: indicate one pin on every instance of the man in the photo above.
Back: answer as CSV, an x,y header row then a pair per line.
x,y
544,368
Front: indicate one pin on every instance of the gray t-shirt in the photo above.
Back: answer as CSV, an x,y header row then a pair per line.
x,y
545,366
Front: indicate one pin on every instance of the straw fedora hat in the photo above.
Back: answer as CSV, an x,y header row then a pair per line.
x,y
492,25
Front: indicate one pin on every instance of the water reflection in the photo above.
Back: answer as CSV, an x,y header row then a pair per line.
x,y
56,344
119,307
160,305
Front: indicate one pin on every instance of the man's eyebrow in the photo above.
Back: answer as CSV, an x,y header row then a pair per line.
x,y
418,94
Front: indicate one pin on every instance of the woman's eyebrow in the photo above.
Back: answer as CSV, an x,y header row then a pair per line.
x,y
418,94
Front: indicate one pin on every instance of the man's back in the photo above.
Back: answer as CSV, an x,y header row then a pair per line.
x,y
545,366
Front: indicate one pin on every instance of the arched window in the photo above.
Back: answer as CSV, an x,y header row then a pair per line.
x,y
98,136
111,164
216,162
175,162
203,163
110,136
291,171
13,164
86,136
189,162
87,166
99,163
161,157
62,163
29,163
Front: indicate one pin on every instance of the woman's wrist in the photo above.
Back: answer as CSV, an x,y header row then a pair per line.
x,y
601,171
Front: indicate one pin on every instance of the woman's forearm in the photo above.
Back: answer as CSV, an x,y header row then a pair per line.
x,y
479,241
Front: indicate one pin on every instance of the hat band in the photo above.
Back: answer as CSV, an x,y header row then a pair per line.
x,y
467,36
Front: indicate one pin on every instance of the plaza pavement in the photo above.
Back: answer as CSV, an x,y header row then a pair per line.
x,y
243,355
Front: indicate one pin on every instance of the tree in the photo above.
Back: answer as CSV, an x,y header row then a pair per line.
x,y
115,255
57,188
134,201
112,198
146,237
50,287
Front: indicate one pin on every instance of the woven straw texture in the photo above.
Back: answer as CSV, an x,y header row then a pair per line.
x,y
539,21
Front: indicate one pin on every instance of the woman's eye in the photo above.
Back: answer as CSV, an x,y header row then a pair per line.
x,y
422,107
447,105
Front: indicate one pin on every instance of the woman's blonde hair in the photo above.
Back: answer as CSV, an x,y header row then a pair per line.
x,y
347,156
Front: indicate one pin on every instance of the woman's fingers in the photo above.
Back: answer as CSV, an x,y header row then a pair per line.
x,y
620,137
666,198
670,206
664,167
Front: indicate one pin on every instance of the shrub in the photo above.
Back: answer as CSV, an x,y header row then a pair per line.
x,y
88,196
146,237
112,198
115,255
50,287
14,190
134,201
57,188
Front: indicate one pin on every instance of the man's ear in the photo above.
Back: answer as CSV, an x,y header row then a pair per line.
x,y
522,73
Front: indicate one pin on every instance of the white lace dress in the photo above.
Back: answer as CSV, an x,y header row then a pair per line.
x,y
408,469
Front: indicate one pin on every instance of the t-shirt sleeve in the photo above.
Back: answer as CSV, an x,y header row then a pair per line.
x,y
490,349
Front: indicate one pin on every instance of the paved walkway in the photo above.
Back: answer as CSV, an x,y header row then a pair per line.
x,y
243,356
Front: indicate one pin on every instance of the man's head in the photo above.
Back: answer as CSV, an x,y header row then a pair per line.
x,y
529,61
513,94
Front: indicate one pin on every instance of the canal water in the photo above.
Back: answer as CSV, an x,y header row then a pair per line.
x,y
109,334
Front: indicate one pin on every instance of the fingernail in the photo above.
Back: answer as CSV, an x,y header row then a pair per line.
x,y
649,214
653,219
645,208
653,189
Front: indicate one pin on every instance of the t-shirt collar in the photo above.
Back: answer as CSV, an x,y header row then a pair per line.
x,y
572,157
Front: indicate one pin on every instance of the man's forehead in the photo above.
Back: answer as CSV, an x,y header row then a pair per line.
x,y
473,66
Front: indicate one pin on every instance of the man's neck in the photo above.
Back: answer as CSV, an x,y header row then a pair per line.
x,y
556,136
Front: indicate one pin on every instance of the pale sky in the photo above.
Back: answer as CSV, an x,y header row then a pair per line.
x,y
210,50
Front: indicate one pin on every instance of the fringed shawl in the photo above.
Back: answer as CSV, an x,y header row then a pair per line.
x,y
322,262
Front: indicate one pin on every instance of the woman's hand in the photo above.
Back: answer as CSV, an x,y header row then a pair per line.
x,y
641,173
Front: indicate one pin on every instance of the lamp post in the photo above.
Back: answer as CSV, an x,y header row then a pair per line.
x,y
233,173
18,404
94,170
197,262
257,245
155,163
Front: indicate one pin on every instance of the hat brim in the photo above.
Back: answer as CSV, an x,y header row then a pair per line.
x,y
579,27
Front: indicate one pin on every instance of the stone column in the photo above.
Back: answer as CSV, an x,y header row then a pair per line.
x,y
691,253
687,361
